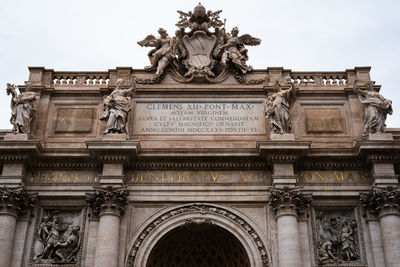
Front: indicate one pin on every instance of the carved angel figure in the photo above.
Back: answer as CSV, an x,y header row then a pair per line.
x,y
376,108
234,50
277,109
162,54
22,108
117,107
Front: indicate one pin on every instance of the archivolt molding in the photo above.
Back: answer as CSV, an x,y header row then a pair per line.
x,y
157,226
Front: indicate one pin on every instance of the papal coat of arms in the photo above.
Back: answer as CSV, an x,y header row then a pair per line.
x,y
201,49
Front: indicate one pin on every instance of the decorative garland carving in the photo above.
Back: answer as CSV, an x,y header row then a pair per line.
x,y
204,209
154,80
288,201
16,201
107,200
241,78
382,202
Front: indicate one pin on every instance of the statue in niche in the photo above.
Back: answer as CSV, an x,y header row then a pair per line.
x,y
277,108
59,242
376,108
336,238
162,54
22,108
234,50
117,107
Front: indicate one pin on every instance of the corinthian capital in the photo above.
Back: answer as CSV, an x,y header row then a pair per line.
x,y
288,201
382,201
15,201
107,200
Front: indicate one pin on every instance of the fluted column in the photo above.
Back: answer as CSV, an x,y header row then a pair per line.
x,y
108,203
385,203
14,202
287,203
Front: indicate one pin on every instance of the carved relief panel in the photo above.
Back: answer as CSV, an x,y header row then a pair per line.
x,y
58,236
337,237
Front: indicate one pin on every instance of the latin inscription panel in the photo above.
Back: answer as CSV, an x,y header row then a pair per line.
x,y
168,118
199,177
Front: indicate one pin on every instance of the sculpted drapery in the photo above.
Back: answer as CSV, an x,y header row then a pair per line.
x,y
117,107
22,108
376,108
277,109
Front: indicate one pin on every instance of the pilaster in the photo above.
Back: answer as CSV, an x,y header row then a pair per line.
x,y
385,203
14,202
108,203
287,204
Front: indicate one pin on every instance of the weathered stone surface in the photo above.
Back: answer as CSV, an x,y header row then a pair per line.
x,y
187,143
74,120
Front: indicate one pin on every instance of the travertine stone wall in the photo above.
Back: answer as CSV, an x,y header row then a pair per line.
x,y
200,153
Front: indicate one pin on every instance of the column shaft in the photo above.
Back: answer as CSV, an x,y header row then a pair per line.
x,y
390,229
107,241
288,241
7,231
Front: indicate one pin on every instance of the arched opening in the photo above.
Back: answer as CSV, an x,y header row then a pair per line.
x,y
198,245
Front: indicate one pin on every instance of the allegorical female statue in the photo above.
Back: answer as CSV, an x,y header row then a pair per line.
x,y
22,108
376,108
277,109
163,52
117,107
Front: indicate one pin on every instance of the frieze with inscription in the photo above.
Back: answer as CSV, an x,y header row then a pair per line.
x,y
199,177
245,118
334,177
63,177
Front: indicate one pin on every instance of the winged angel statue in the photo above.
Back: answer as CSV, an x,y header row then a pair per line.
x,y
201,47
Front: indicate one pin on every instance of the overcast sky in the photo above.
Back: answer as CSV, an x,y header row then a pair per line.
x,y
299,35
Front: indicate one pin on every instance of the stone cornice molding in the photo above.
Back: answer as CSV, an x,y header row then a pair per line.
x,y
381,201
378,150
15,201
19,151
283,151
114,151
289,201
107,200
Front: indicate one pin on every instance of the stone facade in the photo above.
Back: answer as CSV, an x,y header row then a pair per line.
x,y
118,165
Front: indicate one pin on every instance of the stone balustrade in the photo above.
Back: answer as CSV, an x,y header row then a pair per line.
x,y
51,78
80,78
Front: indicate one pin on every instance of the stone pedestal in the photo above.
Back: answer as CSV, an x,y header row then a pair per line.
x,y
114,137
287,203
16,137
380,136
281,137
107,203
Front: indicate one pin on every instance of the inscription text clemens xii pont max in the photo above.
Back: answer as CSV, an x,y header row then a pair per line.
x,y
200,118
